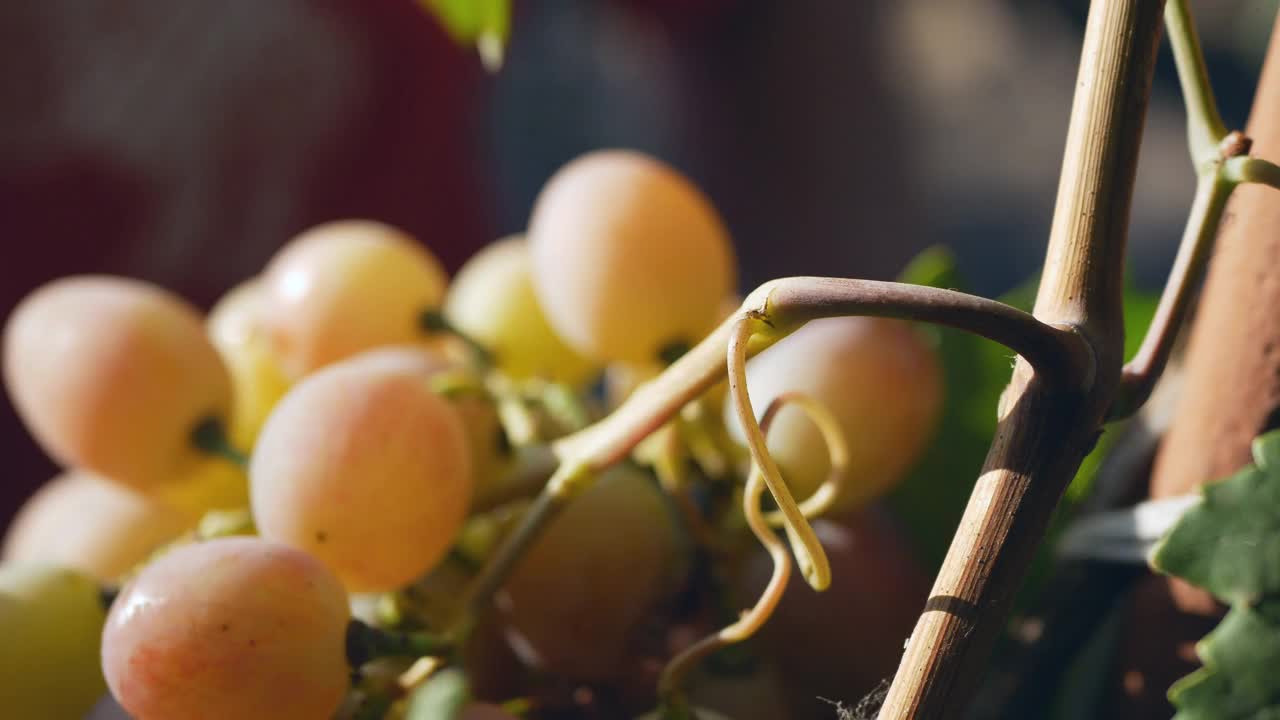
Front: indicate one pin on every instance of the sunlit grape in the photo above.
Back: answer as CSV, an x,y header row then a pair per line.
x,y
629,258
113,375
362,465
81,521
492,300
344,287
231,628
50,628
879,378
257,382
580,591
212,484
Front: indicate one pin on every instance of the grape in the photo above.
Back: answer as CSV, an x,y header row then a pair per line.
x,y
629,258
51,621
230,628
79,520
347,286
113,375
596,572
367,469
492,301
840,643
257,382
879,379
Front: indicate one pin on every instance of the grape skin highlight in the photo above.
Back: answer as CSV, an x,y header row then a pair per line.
x,y
629,257
231,628
344,287
113,375
367,469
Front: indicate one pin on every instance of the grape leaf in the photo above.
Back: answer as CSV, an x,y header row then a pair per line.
x,y
1239,679
484,23
1230,543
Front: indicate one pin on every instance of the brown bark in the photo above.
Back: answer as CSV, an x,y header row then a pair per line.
x,y
1232,393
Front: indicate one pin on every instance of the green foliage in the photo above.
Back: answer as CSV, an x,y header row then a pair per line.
x,y
976,371
483,23
1230,546
1230,543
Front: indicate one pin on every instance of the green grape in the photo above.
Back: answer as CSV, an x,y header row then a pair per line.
x,y
362,465
344,287
113,375
230,628
51,624
78,520
585,585
492,301
878,377
257,382
877,592
212,484
629,257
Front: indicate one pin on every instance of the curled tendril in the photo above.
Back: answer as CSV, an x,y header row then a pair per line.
x,y
750,621
837,447
810,556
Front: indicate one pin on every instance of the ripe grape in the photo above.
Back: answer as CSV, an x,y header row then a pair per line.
x,y
113,375
842,642
880,380
629,258
367,469
584,586
51,621
344,287
79,520
257,382
492,301
230,628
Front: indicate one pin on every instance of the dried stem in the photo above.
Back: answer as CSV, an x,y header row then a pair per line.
x,y
781,306
1045,428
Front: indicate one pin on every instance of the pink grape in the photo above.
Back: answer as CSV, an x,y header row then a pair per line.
x,y
362,465
629,257
113,375
344,287
231,628
599,568
878,377
82,521
257,381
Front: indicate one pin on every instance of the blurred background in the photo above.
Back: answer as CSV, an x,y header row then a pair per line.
x,y
183,141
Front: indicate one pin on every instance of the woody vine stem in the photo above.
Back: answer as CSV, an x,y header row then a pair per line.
x,y
1070,377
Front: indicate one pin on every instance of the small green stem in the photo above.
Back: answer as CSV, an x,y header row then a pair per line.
x,y
1140,374
564,484
1252,170
365,643
211,437
1205,129
435,322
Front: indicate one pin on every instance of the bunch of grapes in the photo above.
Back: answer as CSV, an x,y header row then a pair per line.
x,y
280,510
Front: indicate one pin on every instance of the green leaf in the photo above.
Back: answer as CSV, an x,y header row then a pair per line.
x,y
484,23
1230,543
975,372
1239,679
442,697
